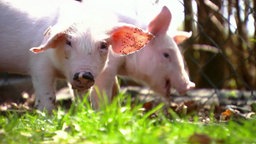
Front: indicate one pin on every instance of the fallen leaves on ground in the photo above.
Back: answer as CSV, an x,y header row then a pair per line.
x,y
204,108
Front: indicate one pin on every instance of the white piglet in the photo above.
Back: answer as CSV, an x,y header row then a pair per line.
x,y
70,43
159,65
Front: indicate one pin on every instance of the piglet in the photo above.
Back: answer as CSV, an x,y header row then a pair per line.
x,y
159,65
68,41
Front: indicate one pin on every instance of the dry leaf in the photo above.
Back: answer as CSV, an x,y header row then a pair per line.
x,y
199,139
226,115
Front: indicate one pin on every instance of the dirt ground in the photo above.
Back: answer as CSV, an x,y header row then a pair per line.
x,y
17,95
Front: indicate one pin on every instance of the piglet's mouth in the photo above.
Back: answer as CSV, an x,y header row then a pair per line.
x,y
167,87
82,86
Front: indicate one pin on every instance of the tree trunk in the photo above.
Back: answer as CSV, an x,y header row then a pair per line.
x,y
212,66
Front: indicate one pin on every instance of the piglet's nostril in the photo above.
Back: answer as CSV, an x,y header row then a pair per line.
x,y
80,76
88,75
76,76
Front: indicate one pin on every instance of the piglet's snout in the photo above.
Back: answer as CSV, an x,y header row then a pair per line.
x,y
82,80
189,85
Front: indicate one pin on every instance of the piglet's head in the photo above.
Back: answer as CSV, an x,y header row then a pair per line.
x,y
160,64
79,54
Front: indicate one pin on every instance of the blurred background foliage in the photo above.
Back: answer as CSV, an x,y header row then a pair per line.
x,y
222,50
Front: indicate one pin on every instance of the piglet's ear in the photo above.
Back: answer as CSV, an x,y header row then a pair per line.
x,y
50,41
161,22
128,39
181,36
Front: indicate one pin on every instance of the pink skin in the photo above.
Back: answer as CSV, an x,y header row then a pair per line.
x,y
69,47
159,67
159,64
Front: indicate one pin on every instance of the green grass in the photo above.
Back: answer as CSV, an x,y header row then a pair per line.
x,y
116,124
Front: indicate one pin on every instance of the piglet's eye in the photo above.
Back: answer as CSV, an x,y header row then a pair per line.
x,y
104,45
68,43
166,55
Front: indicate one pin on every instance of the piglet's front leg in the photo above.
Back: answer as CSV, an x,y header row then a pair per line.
x,y
103,87
43,81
